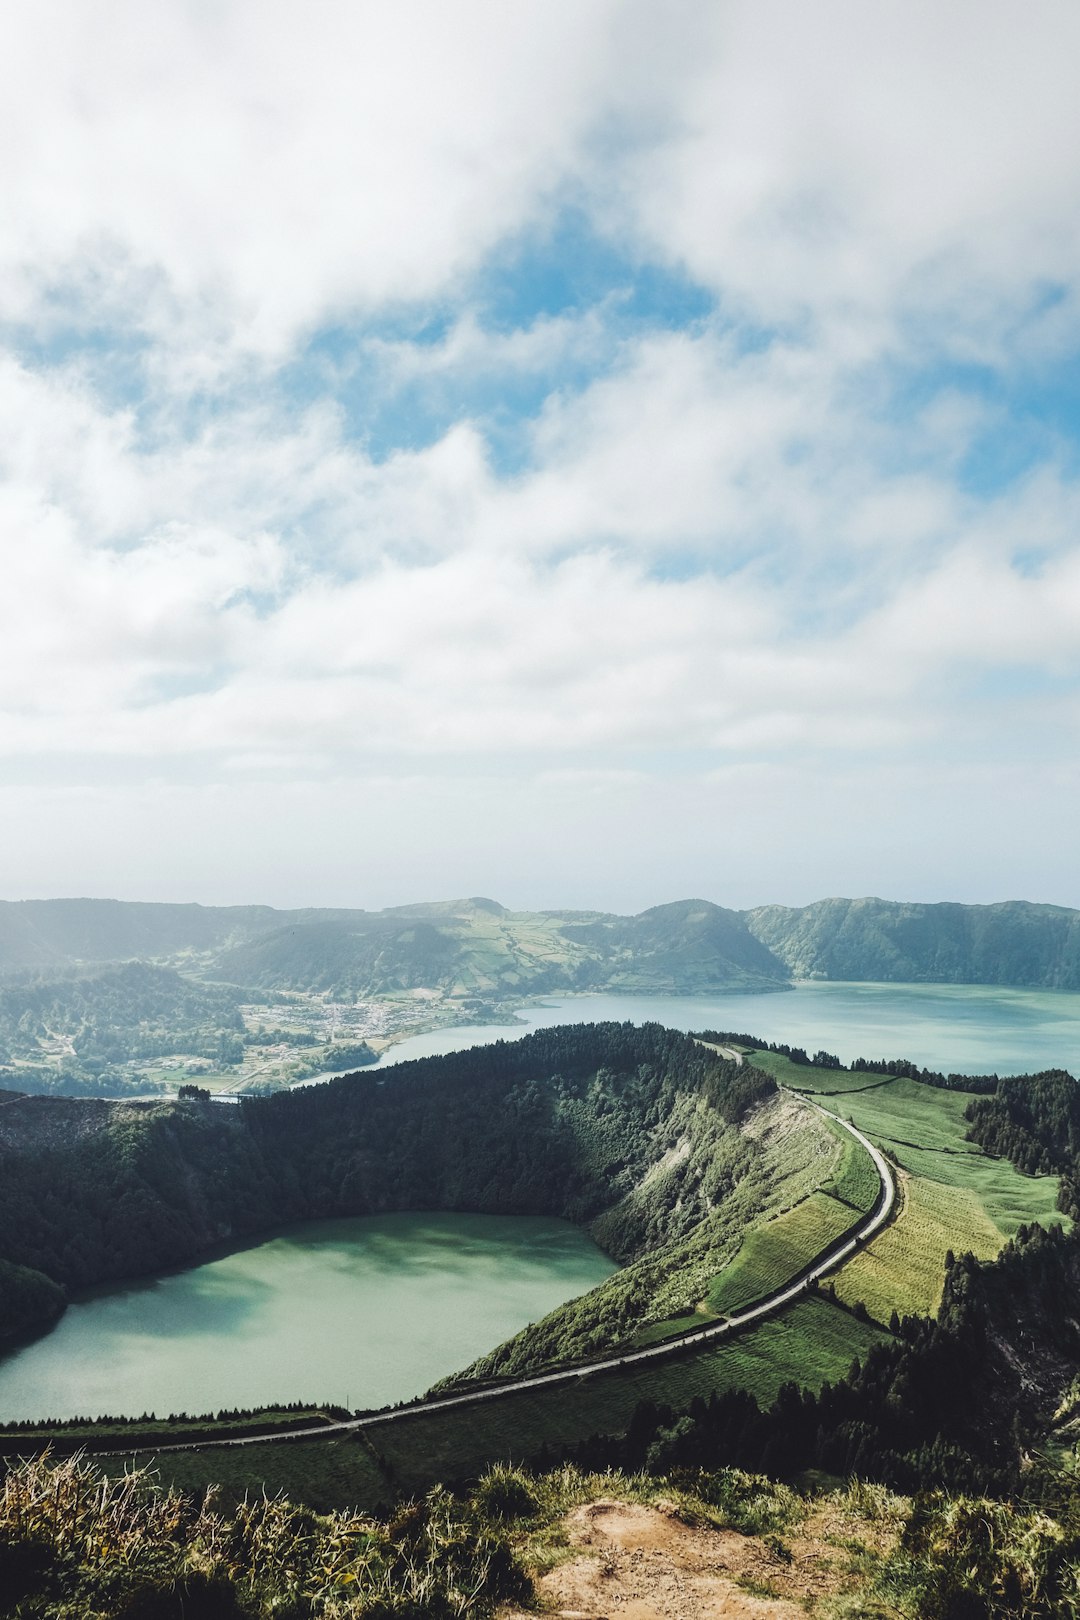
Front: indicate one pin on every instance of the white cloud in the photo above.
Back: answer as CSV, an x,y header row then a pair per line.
x,y
898,158
425,606
273,165
729,539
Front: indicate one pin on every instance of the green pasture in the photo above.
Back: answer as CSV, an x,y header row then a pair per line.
x,y
855,1181
924,1130
777,1250
955,1195
891,1111
903,1269
20,1440
1010,1199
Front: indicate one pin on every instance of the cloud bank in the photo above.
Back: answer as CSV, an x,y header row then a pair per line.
x,y
565,451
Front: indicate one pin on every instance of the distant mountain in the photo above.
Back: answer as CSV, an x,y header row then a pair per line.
x,y
472,947
677,949
1011,943
53,933
476,948
363,957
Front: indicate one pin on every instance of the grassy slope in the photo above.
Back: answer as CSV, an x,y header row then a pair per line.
x,y
777,1250
658,1294
855,1181
902,1269
954,1195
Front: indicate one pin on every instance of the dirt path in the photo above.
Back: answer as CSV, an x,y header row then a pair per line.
x,y
639,1563
633,1562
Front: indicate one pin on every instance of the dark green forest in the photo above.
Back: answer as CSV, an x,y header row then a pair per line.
x,y
1013,942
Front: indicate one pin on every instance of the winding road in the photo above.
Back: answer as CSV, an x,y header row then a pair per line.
x,y
829,1258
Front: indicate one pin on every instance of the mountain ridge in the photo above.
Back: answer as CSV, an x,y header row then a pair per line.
x,y
478,947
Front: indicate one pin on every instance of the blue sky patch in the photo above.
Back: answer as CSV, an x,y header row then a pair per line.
x,y
569,267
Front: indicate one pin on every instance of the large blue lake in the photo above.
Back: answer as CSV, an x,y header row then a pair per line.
x,y
966,1029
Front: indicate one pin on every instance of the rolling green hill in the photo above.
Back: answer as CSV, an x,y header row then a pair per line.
x,y
954,1196
476,949
76,1032
462,948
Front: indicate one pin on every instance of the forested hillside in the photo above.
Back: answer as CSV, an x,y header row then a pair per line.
x,y
1013,943
50,933
582,1121
72,1033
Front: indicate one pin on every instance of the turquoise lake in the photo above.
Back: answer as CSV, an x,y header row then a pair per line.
x,y
357,1312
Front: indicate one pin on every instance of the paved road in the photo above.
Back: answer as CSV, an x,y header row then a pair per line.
x,y
826,1261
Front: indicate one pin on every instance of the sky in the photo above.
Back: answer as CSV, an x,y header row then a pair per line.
x,y
582,452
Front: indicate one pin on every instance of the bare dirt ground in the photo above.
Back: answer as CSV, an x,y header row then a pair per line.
x,y
632,1562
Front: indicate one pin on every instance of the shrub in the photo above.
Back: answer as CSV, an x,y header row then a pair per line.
x,y
505,1493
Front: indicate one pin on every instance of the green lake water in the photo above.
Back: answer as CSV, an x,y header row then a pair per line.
x,y
359,1312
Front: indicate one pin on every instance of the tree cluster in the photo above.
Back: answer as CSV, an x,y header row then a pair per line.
x,y
904,1069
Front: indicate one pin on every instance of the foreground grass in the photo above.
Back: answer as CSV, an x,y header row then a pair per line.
x,y
854,1553
74,1543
